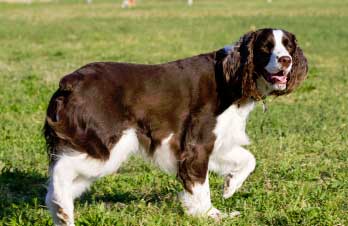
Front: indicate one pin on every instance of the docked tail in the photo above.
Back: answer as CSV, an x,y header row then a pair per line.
x,y
69,124
54,126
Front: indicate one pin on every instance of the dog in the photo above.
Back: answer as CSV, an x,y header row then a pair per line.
x,y
187,117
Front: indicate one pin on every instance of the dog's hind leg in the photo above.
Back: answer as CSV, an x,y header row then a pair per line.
x,y
80,185
66,184
59,198
73,172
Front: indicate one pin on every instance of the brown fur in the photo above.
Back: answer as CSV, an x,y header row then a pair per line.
x,y
239,68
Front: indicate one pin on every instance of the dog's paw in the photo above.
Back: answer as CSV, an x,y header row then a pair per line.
x,y
215,214
63,219
230,186
234,214
218,215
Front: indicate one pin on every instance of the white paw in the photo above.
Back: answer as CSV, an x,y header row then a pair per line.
x,y
218,215
63,219
230,186
215,214
234,214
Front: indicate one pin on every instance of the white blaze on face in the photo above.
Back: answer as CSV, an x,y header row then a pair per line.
x,y
279,50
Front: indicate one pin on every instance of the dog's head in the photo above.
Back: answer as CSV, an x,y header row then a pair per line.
x,y
265,62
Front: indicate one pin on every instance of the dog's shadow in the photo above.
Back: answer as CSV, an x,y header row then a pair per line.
x,y
19,189
121,196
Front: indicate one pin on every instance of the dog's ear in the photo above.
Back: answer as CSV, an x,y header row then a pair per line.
x,y
249,88
299,68
238,67
230,66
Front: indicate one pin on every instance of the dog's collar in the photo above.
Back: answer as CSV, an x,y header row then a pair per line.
x,y
222,53
228,49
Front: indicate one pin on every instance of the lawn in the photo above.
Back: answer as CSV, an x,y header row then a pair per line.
x,y
301,143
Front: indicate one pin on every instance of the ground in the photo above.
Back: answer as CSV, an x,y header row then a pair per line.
x,y
300,143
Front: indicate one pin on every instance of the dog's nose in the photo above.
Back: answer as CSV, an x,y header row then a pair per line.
x,y
285,61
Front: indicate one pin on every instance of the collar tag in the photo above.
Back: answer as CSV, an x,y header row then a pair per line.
x,y
264,106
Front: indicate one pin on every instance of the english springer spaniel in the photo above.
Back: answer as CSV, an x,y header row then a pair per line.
x,y
186,116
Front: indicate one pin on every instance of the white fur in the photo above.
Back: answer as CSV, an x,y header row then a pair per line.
x,y
240,162
279,50
230,126
59,198
164,157
72,174
198,203
228,157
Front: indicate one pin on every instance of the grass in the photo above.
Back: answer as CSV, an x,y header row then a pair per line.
x,y
300,143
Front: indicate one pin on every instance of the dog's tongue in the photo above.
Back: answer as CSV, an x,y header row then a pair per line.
x,y
279,77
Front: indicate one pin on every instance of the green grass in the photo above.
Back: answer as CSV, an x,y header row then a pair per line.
x,y
300,143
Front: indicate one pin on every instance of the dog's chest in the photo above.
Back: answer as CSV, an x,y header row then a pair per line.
x,y
230,128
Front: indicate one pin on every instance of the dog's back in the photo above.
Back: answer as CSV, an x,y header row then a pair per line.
x,y
94,104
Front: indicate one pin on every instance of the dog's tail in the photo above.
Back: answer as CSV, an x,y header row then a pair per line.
x,y
68,125
56,122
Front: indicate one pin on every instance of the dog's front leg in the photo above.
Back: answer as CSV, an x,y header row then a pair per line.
x,y
193,173
235,165
244,163
197,201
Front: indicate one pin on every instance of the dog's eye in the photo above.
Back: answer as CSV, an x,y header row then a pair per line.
x,y
290,46
267,47
286,42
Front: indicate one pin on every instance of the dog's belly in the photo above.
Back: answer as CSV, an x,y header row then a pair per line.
x,y
163,157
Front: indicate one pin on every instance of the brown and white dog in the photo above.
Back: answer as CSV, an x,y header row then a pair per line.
x,y
186,116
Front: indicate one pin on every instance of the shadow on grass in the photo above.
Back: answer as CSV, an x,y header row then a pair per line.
x,y
20,189
22,195
17,186
115,197
28,188
128,197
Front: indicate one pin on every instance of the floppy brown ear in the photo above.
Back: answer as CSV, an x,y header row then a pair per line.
x,y
230,67
299,68
238,68
249,87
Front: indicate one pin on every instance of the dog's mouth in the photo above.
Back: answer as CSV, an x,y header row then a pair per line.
x,y
276,78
